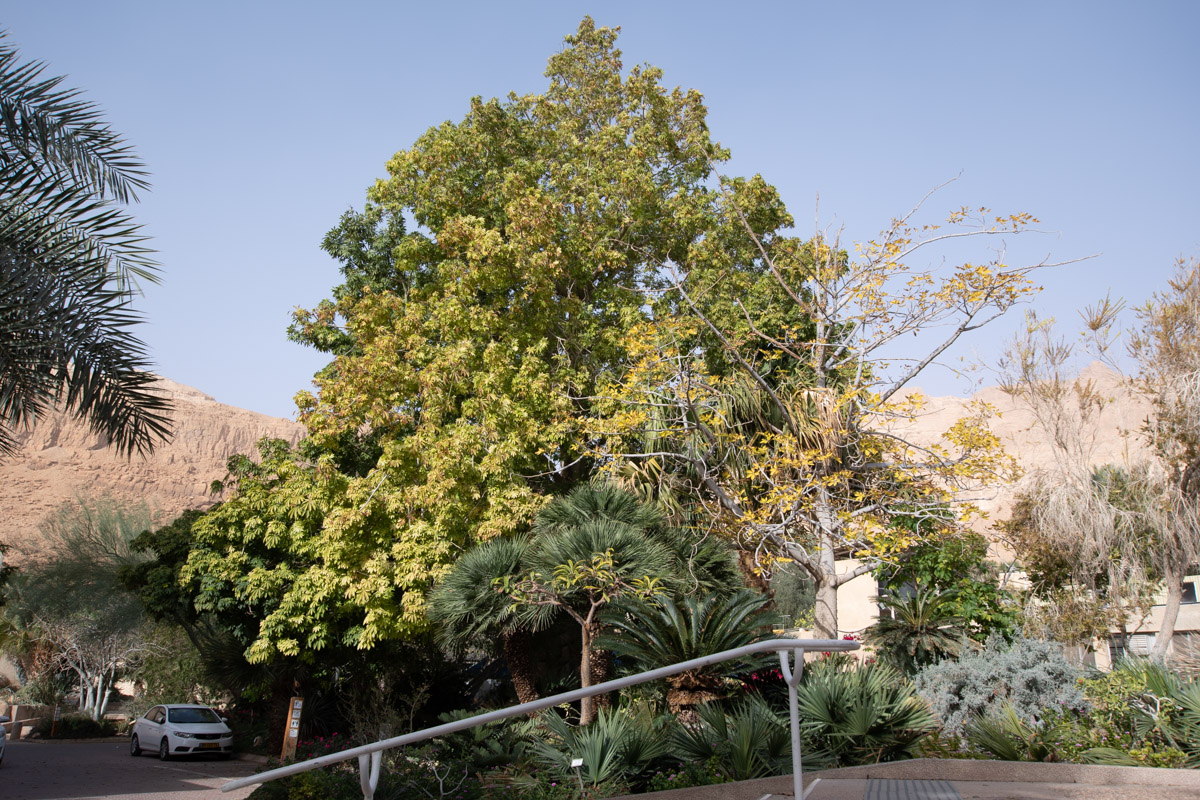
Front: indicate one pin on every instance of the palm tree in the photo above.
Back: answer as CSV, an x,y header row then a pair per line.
x,y
921,630
661,632
578,571
468,609
702,563
69,261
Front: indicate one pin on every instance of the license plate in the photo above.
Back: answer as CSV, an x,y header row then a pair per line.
x,y
210,746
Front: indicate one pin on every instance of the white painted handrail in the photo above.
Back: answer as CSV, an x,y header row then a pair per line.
x,y
369,758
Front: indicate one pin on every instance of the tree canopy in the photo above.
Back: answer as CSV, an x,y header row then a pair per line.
x,y
468,344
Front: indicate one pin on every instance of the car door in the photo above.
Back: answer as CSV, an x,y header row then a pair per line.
x,y
152,725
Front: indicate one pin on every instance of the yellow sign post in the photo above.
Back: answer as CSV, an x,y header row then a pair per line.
x,y
291,734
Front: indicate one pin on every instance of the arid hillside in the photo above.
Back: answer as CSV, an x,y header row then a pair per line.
x,y
1112,437
62,460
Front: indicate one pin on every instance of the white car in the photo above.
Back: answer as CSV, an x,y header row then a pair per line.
x,y
181,729
3,722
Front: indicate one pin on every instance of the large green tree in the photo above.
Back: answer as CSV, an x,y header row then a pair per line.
x,y
468,344
69,259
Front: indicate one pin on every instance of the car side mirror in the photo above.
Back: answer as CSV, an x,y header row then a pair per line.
x,y
225,720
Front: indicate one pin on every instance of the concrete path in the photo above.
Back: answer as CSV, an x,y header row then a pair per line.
x,y
89,771
973,780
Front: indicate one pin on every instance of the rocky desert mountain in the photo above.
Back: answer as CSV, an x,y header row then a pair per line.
x,y
62,460
1112,436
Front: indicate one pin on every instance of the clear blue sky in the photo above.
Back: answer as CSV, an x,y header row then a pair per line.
x,y
262,122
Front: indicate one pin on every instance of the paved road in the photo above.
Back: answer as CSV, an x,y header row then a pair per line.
x,y
50,771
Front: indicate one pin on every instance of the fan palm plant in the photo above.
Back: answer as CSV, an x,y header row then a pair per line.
x,y
468,609
750,741
861,714
579,571
69,261
662,631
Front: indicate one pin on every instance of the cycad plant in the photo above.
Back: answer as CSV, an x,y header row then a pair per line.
x,y
921,630
69,258
663,631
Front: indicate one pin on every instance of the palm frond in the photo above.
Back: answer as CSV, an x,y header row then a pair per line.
x,y
70,259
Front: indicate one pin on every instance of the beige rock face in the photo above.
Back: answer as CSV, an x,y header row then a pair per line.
x,y
62,461
1112,436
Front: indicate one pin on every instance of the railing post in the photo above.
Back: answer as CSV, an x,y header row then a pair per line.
x,y
792,676
368,773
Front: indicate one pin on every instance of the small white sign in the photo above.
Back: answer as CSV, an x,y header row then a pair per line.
x,y
576,763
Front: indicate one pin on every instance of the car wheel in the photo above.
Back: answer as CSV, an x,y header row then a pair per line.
x,y
135,748
164,749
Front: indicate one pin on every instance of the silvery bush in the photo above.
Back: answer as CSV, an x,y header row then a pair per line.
x,y
1033,675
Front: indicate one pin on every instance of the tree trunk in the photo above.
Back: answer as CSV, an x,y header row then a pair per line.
x,y
516,646
826,612
587,706
601,666
104,697
1174,581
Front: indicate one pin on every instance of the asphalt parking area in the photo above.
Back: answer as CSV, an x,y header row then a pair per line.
x,y
88,771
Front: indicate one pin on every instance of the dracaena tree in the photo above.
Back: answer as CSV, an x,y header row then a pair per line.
x,y
70,257
1136,525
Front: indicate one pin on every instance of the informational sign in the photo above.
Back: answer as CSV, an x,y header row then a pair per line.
x,y
291,733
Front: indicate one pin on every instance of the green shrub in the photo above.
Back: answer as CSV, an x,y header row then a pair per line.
x,y
1033,676
75,726
750,741
331,783
854,714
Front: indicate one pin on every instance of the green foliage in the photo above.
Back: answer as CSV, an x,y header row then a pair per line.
x,y
1029,674
956,568
851,714
172,671
69,258
471,344
67,610
306,563
156,578
467,606
794,594
75,726
749,741
334,784
1003,734
614,747
921,629
661,631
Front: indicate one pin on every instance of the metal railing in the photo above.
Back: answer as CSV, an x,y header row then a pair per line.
x,y
369,755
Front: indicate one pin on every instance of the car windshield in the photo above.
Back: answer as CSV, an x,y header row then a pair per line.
x,y
186,715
